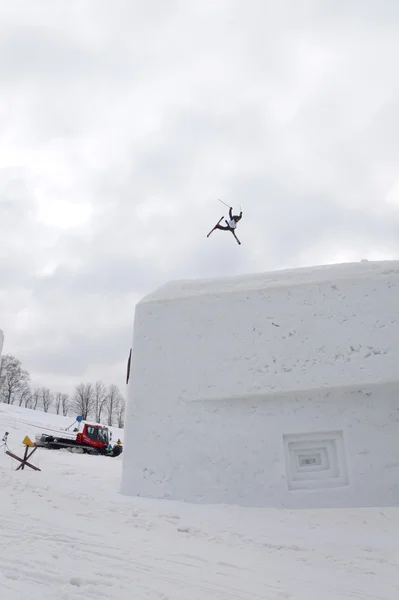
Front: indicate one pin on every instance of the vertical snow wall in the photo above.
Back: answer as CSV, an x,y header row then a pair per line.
x,y
279,389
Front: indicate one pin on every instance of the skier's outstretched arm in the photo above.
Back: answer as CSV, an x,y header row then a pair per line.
x,y
231,212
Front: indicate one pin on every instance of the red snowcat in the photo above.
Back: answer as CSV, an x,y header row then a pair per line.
x,y
93,439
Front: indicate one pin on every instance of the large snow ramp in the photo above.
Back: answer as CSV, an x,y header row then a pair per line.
x,y
273,389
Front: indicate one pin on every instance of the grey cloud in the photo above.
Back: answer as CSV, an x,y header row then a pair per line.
x,y
122,276
72,356
36,52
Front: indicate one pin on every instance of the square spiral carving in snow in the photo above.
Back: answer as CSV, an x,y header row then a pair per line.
x,y
315,460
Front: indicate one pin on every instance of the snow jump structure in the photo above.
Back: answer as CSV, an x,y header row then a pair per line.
x,y
279,389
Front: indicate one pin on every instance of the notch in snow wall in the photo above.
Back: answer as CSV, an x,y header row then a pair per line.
x,y
315,460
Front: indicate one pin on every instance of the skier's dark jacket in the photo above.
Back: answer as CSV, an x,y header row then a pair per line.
x,y
235,217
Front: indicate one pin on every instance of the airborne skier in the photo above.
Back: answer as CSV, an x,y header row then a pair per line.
x,y
230,225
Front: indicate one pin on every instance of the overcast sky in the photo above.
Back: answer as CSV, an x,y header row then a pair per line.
x,y
123,121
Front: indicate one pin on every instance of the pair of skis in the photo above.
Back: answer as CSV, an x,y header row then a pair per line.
x,y
213,229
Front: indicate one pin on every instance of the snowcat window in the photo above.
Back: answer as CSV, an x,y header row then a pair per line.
x,y
98,434
103,435
91,433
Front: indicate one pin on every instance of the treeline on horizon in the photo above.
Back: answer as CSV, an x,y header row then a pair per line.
x,y
96,401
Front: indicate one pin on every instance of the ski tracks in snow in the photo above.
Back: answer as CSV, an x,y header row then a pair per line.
x,y
72,548
71,567
66,535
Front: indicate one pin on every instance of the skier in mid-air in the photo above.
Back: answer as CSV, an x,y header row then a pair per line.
x,y
230,225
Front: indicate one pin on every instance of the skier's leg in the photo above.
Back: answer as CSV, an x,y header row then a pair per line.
x,y
222,227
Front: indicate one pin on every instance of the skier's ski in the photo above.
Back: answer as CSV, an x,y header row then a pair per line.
x,y
237,240
232,231
213,228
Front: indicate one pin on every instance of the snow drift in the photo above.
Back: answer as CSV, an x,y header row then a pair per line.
x,y
278,389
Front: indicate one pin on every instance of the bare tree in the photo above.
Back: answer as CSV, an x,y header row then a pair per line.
x,y
46,398
65,403
113,400
61,403
100,400
13,379
28,400
35,399
83,400
120,413
58,402
87,400
25,396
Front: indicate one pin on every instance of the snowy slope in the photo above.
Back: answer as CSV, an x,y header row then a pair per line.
x,y
32,422
67,534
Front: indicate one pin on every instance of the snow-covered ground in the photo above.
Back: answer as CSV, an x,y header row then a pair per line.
x,y
67,534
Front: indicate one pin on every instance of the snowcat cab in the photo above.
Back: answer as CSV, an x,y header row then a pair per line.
x,y
95,436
